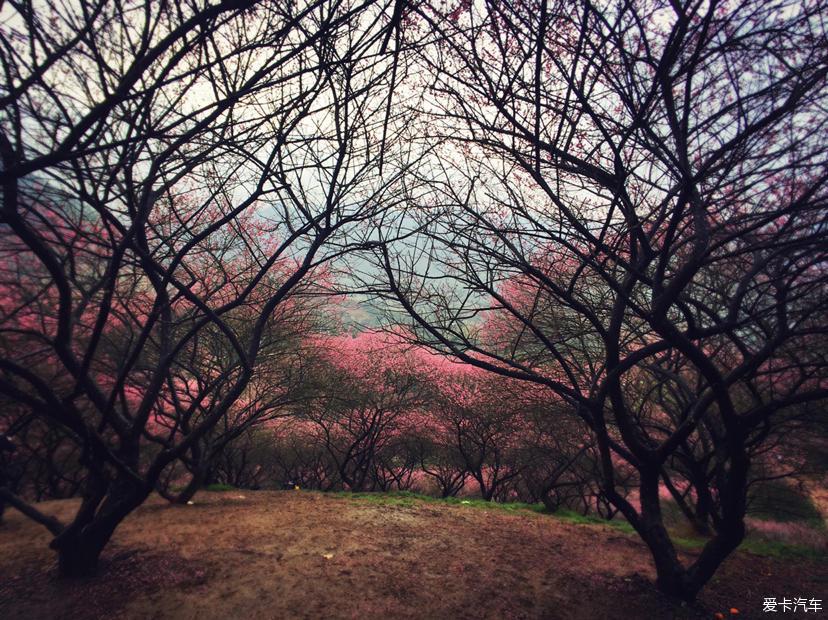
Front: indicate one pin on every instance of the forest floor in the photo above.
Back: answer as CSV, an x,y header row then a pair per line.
x,y
297,554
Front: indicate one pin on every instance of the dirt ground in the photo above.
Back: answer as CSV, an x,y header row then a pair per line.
x,y
272,554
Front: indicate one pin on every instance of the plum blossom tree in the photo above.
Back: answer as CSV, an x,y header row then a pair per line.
x,y
638,193
485,421
560,464
440,461
294,456
369,392
277,379
134,139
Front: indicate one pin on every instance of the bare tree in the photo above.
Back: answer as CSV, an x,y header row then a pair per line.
x,y
276,384
134,137
624,185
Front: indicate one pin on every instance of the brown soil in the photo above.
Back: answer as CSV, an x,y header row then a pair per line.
x,y
270,554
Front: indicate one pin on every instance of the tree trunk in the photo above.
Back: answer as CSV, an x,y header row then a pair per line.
x,y
701,523
486,491
80,545
193,486
701,516
670,574
79,552
550,502
673,578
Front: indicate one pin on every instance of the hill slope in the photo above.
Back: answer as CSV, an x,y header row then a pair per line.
x,y
270,554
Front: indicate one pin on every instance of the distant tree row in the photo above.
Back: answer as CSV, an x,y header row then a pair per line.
x,y
373,413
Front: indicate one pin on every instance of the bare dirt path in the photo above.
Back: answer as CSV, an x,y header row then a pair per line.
x,y
271,554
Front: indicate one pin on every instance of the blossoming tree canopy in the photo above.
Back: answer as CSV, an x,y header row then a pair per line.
x,y
641,198
160,220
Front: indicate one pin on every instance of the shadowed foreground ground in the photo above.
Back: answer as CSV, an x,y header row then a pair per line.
x,y
270,554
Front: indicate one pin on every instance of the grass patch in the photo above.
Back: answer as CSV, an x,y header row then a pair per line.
x,y
751,544
777,549
505,506
778,501
219,487
409,498
759,546
570,516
